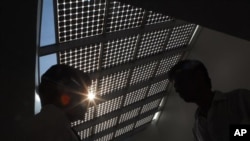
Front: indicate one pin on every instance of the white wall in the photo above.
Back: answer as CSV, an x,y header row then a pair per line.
x,y
227,59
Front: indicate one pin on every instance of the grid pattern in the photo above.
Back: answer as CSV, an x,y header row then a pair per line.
x,y
123,16
129,115
107,137
152,43
144,121
83,58
135,96
113,82
79,19
167,63
85,133
150,106
143,72
119,51
154,18
180,36
144,53
124,130
109,106
105,125
158,87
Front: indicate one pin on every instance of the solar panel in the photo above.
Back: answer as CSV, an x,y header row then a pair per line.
x,y
127,51
119,51
80,19
155,17
84,58
180,36
123,16
143,72
152,43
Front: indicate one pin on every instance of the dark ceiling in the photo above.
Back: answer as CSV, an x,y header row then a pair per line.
x,y
230,17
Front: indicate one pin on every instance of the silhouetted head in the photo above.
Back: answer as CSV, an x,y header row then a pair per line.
x,y
191,80
66,88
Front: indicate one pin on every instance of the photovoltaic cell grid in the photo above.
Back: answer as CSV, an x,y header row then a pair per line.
x,y
152,43
123,16
113,82
109,106
84,58
143,72
105,125
129,115
149,106
158,87
85,133
180,36
107,137
82,19
144,121
154,18
79,19
135,96
167,63
124,130
119,51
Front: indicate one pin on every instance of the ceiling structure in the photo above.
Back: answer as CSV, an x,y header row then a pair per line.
x,y
127,51
230,17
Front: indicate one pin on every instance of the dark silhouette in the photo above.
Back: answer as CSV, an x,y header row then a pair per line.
x,y
216,110
63,91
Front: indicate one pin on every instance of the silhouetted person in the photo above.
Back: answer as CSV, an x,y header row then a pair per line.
x,y
216,110
63,91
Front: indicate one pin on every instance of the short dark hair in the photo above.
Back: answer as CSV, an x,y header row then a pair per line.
x,y
189,67
60,78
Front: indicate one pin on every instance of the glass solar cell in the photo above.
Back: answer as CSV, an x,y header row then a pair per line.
x,y
105,125
109,106
158,87
89,114
152,105
83,58
119,51
167,63
85,133
124,130
107,137
144,121
152,43
79,19
135,96
123,16
129,115
143,72
113,82
154,18
180,36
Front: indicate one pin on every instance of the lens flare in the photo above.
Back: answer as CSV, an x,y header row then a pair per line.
x,y
91,96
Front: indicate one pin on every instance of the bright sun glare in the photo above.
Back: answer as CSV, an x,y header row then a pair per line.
x,y
91,96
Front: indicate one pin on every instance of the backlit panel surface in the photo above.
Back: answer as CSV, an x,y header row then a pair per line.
x,y
113,82
154,18
127,51
143,72
123,16
84,58
167,63
152,43
180,36
119,51
80,18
